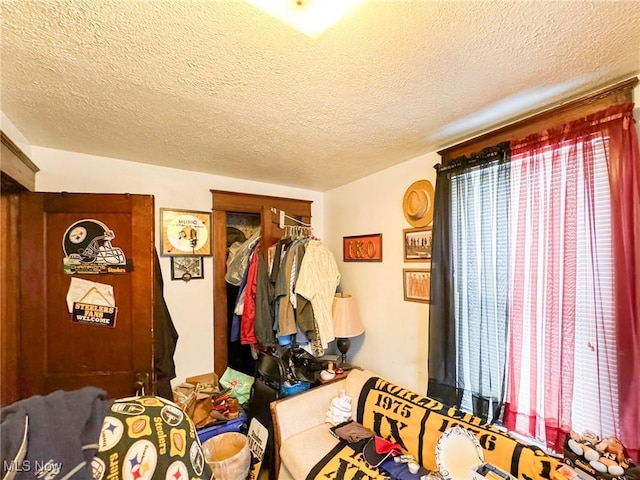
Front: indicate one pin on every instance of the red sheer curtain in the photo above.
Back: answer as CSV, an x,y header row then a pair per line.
x,y
624,176
574,341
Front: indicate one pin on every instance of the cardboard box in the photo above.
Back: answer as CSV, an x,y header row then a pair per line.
x,y
205,378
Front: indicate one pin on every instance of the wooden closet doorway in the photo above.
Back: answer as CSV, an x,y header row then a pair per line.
x,y
226,207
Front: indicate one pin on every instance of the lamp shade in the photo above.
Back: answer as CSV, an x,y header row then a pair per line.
x,y
346,321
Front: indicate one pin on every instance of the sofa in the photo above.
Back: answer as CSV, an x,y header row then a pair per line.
x,y
305,447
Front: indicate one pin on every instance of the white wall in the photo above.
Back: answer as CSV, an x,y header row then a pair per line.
x,y
190,304
395,340
15,135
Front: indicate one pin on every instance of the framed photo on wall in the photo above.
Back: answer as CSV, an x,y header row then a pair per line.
x,y
417,284
185,232
417,244
187,268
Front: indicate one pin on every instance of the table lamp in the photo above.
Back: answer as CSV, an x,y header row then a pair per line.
x,y
346,324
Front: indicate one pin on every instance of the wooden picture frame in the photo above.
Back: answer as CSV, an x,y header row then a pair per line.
x,y
185,233
417,284
187,268
417,244
362,248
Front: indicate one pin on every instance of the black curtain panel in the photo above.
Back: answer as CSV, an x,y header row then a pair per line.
x,y
468,310
442,335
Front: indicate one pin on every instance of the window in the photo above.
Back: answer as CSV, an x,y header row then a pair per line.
x,y
532,252
534,310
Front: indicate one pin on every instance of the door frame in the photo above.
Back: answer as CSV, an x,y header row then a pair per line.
x,y
233,202
18,175
10,299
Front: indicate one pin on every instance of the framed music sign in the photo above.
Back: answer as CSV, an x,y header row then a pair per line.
x,y
185,232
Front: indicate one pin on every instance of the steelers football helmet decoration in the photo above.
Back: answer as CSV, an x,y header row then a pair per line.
x,y
88,249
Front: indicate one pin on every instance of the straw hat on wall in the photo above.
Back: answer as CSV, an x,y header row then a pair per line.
x,y
417,203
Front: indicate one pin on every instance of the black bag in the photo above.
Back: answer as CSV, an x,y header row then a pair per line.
x,y
304,364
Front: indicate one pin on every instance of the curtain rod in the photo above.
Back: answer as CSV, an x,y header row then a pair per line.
x,y
583,99
496,153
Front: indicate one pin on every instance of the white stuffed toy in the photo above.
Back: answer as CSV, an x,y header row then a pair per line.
x,y
339,410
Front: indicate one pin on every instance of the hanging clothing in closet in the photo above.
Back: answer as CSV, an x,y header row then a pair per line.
x,y
287,299
256,314
264,305
285,323
294,321
317,282
247,324
239,247
306,277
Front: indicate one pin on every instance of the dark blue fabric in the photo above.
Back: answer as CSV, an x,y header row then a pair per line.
x,y
62,433
400,471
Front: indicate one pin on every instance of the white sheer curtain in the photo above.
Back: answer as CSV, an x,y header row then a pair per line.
x,y
480,264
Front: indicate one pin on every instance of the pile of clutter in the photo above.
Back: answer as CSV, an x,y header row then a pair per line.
x,y
601,458
205,402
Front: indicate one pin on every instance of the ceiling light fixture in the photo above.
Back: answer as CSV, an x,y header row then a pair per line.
x,y
311,17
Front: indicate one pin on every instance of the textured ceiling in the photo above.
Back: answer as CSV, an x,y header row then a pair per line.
x,y
220,87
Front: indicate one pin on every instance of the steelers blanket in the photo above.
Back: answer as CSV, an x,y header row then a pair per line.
x,y
148,437
343,463
416,423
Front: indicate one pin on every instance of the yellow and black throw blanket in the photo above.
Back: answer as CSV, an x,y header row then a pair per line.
x,y
416,423
343,463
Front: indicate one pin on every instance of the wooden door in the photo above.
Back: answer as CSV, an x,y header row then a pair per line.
x,y
56,352
232,202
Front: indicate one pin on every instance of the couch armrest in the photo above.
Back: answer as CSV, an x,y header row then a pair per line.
x,y
295,414
300,412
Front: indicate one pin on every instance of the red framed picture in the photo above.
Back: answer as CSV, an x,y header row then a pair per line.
x,y
362,248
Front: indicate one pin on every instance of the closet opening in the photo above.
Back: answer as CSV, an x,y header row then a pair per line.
x,y
238,216
240,228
